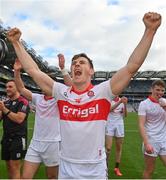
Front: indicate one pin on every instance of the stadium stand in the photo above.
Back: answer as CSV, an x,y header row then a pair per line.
x,y
137,90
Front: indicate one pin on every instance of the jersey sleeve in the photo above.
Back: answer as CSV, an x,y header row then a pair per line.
x,y
57,88
105,90
23,105
35,98
142,109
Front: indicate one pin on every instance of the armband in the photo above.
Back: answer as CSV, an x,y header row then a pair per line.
x,y
64,72
8,113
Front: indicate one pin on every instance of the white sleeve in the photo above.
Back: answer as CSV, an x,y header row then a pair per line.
x,y
105,90
142,109
35,97
57,88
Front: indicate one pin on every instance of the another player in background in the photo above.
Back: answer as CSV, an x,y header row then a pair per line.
x,y
152,125
66,77
115,128
14,113
44,146
84,108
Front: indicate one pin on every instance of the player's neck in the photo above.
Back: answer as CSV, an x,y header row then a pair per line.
x,y
47,97
153,98
82,87
16,96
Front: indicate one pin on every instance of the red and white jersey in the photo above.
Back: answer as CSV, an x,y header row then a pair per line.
x,y
155,124
116,116
47,125
83,119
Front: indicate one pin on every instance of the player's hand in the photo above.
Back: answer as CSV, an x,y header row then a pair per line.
x,y
152,20
149,148
14,35
162,102
124,100
61,61
2,106
17,65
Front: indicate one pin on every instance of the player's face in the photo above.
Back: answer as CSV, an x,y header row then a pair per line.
x,y
11,89
81,71
158,92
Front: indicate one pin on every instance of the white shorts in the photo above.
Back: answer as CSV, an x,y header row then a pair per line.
x,y
46,152
115,130
159,149
68,170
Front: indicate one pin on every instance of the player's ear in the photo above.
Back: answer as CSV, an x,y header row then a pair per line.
x,y
92,71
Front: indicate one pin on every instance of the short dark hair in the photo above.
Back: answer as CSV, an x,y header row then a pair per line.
x,y
158,83
85,56
10,80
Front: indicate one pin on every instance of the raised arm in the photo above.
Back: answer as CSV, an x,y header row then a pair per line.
x,y
19,83
124,101
66,77
41,79
116,105
122,77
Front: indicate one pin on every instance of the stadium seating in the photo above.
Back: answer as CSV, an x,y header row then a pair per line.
x,y
137,90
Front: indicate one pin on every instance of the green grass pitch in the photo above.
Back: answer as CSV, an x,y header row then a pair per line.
x,y
132,162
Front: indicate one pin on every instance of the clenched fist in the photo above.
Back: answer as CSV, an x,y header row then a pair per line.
x,y
152,20
14,35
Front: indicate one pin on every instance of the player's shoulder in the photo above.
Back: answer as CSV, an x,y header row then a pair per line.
x,y
144,102
37,96
23,100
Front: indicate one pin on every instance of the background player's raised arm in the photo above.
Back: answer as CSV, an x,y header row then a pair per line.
x,y
19,83
66,77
